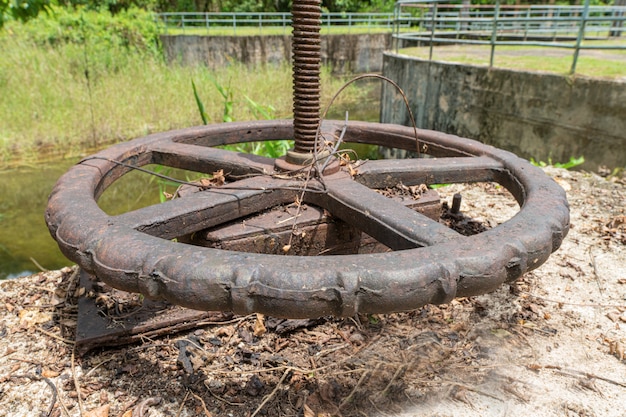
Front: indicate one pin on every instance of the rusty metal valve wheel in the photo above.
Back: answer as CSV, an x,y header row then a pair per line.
x,y
429,263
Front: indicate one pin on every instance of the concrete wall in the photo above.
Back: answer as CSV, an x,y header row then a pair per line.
x,y
533,115
350,53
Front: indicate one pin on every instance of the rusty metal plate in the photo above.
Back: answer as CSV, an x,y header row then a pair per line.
x,y
429,263
98,327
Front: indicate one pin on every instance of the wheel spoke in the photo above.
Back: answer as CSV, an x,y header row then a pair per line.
x,y
208,208
208,160
389,222
389,172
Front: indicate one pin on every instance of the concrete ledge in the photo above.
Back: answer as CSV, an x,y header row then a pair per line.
x,y
539,115
349,53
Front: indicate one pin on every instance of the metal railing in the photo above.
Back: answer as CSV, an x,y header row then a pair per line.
x,y
434,22
198,23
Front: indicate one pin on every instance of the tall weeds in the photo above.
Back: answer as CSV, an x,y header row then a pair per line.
x,y
46,101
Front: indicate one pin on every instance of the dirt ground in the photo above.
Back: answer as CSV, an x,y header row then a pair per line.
x,y
550,344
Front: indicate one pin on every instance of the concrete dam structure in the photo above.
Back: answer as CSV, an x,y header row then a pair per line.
x,y
548,117
544,116
347,53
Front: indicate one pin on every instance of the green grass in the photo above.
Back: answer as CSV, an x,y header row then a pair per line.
x,y
47,101
572,163
611,64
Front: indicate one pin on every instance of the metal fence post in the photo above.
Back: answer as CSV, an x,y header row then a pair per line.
x,y
616,24
432,31
526,24
397,12
494,33
164,22
581,36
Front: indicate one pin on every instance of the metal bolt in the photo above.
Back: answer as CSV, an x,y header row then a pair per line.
x,y
456,204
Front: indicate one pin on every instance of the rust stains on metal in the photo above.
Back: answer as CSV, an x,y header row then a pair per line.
x,y
429,263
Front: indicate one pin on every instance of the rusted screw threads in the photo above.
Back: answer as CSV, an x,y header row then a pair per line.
x,y
306,48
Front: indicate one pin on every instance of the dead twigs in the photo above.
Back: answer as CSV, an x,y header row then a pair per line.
x,y
54,336
76,384
350,396
576,374
207,413
595,271
271,394
182,404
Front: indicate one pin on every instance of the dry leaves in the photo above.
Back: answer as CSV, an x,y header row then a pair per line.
x,y
319,368
31,318
102,411
259,326
217,179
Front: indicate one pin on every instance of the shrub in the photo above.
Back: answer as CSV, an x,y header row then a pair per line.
x,y
133,29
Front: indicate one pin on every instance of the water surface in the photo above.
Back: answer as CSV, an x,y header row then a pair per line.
x,y
25,243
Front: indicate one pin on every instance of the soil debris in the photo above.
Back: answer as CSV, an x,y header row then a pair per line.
x,y
551,343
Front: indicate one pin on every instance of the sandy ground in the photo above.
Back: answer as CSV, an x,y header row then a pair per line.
x,y
551,344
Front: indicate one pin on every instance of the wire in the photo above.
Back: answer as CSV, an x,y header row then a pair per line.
x,y
195,184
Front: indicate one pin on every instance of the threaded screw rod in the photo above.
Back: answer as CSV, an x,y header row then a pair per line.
x,y
306,49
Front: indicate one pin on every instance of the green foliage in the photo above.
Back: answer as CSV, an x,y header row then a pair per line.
x,y
227,96
351,6
341,5
250,6
200,104
260,111
254,6
164,186
373,319
69,86
572,163
22,10
112,6
378,6
271,149
56,61
133,29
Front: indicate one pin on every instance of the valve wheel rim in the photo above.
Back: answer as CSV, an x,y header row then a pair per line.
x,y
132,251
